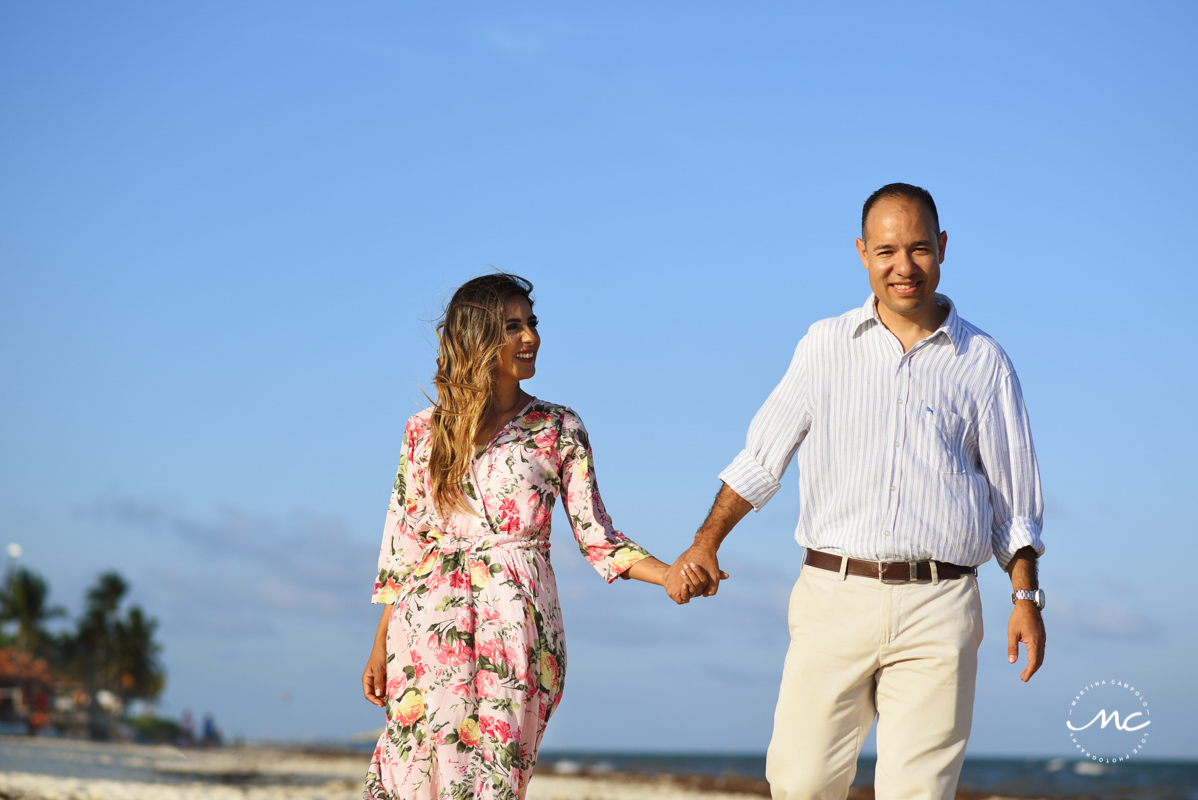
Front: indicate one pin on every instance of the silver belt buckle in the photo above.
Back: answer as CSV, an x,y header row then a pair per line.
x,y
913,566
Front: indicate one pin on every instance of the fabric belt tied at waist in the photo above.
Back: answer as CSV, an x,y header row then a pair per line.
x,y
888,571
448,546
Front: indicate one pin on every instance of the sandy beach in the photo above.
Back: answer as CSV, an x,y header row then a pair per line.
x,y
26,786
66,769
51,769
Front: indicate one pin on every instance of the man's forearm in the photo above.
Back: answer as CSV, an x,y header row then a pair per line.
x,y
1022,569
700,558
1026,625
728,509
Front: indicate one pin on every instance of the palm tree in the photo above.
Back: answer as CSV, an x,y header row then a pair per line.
x,y
105,597
141,673
24,602
112,653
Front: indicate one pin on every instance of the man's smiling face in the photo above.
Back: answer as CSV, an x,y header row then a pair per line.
x,y
903,252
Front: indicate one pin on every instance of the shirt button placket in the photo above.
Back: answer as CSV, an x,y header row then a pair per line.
x,y
900,433
902,396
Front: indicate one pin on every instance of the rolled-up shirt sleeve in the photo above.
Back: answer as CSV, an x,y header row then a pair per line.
x,y
1009,462
775,434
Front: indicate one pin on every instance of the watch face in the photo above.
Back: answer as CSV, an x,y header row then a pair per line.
x,y
1040,599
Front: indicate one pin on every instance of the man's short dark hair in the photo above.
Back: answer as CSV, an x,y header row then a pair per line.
x,y
900,190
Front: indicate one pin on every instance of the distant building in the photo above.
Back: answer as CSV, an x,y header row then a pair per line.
x,y
27,689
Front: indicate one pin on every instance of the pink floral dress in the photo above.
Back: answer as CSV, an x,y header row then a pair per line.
x,y
476,654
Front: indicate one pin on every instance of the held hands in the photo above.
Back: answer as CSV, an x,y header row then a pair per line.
x,y
695,573
682,580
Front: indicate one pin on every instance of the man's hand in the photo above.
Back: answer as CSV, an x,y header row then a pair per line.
x,y
685,579
1027,626
696,572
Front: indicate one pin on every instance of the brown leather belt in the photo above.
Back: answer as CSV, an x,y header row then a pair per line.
x,y
889,571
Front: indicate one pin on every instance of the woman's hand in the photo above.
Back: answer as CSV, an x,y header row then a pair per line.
x,y
681,581
374,677
688,583
685,580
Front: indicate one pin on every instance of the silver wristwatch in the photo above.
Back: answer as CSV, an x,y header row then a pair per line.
x,y
1035,595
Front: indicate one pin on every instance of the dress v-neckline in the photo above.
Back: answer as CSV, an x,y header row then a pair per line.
x,y
479,453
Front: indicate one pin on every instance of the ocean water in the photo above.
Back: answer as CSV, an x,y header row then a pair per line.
x,y
1139,779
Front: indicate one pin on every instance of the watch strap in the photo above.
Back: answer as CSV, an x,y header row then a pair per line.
x,y
1035,595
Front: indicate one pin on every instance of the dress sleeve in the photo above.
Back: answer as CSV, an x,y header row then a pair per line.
x,y
775,433
405,518
609,551
1009,462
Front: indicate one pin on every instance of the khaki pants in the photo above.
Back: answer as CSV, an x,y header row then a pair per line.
x,y
859,647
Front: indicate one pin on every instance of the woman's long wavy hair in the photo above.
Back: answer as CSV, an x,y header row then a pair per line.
x,y
469,337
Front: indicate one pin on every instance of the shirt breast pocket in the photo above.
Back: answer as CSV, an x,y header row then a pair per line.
x,y
941,436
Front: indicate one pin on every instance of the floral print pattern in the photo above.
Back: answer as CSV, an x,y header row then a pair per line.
x,y
476,656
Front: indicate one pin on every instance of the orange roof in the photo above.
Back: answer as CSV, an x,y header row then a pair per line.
x,y
22,666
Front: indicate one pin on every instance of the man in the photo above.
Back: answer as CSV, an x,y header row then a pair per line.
x,y
916,465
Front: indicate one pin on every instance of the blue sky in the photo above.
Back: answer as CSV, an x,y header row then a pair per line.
x,y
225,229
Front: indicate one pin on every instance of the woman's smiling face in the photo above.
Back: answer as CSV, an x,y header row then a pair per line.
x,y
518,357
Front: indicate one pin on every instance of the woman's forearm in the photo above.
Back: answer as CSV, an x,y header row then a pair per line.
x,y
380,633
649,570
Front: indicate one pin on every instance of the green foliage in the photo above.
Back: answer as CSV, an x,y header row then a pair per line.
x,y
156,730
113,652
24,602
141,672
107,650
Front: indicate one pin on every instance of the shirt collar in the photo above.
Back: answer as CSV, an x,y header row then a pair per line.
x,y
951,327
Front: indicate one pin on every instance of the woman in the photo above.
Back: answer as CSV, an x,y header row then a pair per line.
x,y
469,657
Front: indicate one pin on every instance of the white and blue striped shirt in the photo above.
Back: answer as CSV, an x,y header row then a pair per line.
x,y
905,456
